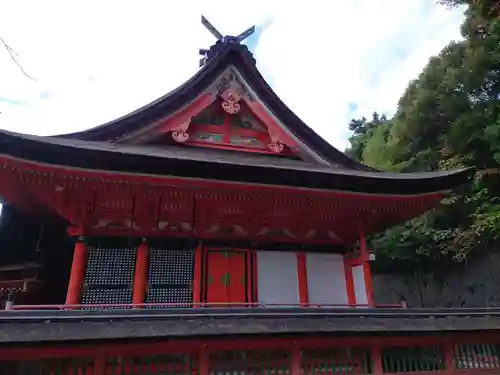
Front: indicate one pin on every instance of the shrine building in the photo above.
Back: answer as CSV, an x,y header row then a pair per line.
x,y
212,231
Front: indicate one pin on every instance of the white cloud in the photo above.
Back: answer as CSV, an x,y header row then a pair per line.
x,y
98,60
361,51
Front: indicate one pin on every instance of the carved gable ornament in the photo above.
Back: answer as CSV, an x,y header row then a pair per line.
x,y
233,97
231,92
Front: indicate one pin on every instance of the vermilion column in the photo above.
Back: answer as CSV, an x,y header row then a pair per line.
x,y
198,264
203,361
296,365
365,257
77,276
302,278
448,356
349,283
377,360
141,275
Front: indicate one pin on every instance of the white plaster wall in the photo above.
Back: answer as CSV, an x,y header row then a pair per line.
x,y
326,279
358,275
277,279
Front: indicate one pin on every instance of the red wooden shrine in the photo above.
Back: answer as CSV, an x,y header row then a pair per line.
x,y
211,214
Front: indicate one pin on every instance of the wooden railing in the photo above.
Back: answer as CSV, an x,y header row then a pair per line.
x,y
196,304
329,356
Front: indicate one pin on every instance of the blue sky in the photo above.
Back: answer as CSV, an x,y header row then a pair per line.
x,y
329,61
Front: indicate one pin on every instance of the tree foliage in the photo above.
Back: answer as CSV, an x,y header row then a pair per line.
x,y
448,117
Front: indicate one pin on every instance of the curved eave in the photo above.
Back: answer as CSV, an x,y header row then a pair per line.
x,y
232,55
222,166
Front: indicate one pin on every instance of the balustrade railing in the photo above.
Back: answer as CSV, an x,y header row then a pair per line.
x,y
104,306
265,356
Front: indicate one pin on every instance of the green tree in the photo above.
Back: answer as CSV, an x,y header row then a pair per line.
x,y
448,117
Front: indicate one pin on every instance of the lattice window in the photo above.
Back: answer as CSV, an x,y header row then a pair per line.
x,y
110,266
109,276
120,295
476,356
170,277
241,362
337,361
171,364
413,359
63,366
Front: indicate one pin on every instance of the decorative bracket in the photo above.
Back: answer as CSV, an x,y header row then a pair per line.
x,y
179,133
276,147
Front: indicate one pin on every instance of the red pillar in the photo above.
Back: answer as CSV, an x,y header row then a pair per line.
x,y
198,264
203,361
448,356
377,360
296,361
140,275
349,284
302,278
99,365
77,276
365,258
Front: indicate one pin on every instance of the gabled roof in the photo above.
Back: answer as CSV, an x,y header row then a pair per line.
x,y
108,147
231,56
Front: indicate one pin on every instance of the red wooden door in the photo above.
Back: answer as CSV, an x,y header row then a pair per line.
x,y
237,268
217,291
226,277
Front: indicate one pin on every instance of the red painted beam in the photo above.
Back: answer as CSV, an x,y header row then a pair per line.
x,y
193,109
46,171
43,183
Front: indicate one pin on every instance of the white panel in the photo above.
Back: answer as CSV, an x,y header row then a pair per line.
x,y
358,275
326,279
277,279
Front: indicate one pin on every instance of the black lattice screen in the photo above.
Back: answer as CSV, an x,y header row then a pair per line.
x,y
109,276
170,276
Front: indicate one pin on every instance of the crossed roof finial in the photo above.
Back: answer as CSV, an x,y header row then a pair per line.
x,y
221,39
